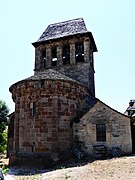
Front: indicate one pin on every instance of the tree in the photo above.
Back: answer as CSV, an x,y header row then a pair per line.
x,y
3,124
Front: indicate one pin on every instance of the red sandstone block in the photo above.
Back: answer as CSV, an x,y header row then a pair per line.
x,y
50,113
48,117
43,130
49,139
54,134
54,139
54,126
38,126
44,113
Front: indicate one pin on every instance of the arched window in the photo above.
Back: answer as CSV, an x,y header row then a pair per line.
x,y
54,56
33,108
66,55
43,59
79,52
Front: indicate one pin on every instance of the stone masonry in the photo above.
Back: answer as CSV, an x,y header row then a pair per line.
x,y
44,109
118,131
56,108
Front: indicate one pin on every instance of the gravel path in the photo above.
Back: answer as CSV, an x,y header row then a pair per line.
x,y
112,169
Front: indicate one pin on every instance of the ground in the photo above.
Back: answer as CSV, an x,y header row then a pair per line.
x,y
122,168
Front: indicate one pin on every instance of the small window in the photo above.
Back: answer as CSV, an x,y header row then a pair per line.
x,y
79,52
43,59
66,55
101,132
33,108
42,83
54,57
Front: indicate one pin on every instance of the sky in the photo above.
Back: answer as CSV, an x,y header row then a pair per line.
x,y
111,23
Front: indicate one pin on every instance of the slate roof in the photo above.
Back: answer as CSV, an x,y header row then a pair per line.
x,y
62,29
65,29
47,74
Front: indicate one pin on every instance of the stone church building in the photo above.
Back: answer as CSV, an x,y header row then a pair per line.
x,y
56,108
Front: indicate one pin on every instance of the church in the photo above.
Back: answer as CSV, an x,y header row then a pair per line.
x,y
56,108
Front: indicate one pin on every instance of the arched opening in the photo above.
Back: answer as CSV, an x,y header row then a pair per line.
x,y
66,55
79,52
54,56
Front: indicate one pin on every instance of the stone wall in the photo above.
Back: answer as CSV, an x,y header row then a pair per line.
x,y
81,73
118,132
43,111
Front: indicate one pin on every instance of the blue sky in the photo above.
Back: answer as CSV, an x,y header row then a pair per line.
x,y
111,23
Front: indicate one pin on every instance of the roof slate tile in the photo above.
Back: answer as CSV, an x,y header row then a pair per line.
x,y
62,29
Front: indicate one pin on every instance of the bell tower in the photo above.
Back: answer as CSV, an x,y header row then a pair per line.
x,y
67,47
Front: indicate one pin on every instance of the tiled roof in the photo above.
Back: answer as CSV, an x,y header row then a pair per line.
x,y
62,29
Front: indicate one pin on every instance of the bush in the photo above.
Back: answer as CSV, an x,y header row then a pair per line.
x,y
3,126
3,141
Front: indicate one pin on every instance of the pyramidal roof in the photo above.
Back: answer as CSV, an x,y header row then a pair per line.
x,y
65,29
62,29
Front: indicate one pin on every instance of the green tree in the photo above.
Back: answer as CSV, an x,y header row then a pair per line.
x,y
3,124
